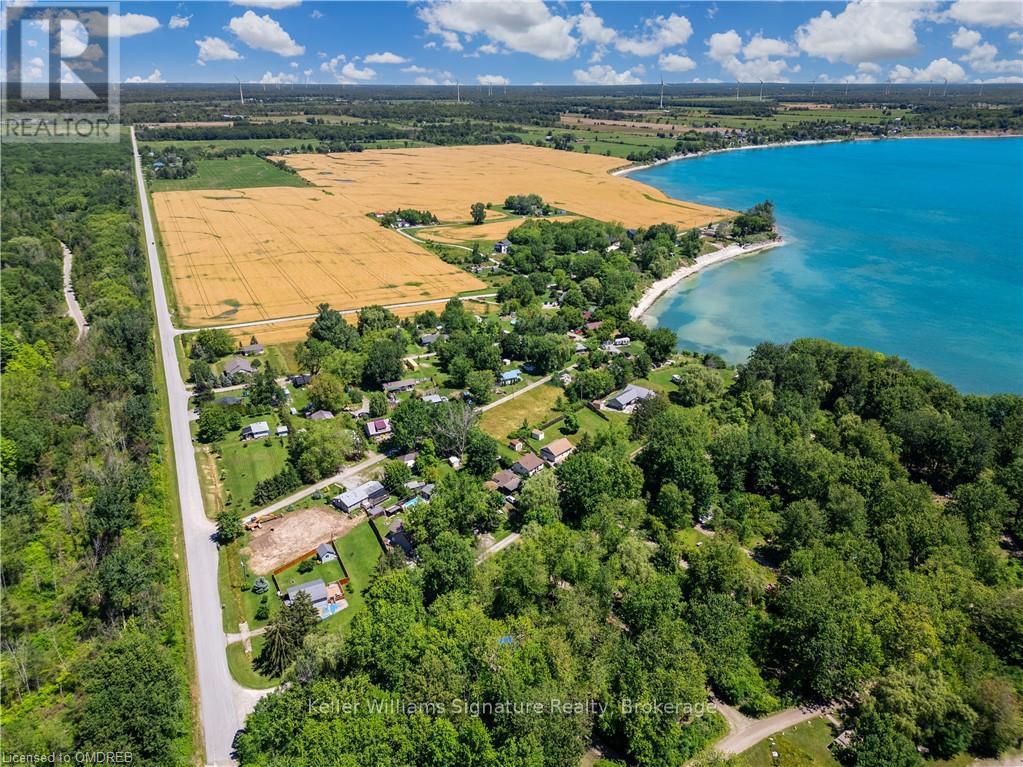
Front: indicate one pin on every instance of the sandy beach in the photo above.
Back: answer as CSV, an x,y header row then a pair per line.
x,y
659,288
676,157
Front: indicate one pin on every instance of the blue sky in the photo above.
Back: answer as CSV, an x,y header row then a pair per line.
x,y
521,42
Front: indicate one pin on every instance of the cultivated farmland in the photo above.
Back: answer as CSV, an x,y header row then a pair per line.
x,y
252,254
447,180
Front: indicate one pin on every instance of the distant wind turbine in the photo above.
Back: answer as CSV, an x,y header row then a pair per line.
x,y
458,91
662,92
945,92
736,90
888,86
813,86
241,96
761,90
981,91
846,87
930,87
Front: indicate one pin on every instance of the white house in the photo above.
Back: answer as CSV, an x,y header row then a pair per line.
x,y
256,430
367,493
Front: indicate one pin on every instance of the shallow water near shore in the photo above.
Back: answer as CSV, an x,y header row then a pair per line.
x,y
909,247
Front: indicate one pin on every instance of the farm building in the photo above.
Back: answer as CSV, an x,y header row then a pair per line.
x,y
528,465
628,397
502,247
282,431
434,399
256,430
557,451
379,427
368,493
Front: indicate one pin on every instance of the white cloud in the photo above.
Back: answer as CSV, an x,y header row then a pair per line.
x,y
492,80
524,26
277,79
156,76
216,49
992,80
307,72
661,33
761,47
601,74
385,58
937,70
414,69
869,67
274,5
722,46
965,38
489,48
755,64
866,72
422,80
264,33
179,22
315,14
131,24
347,73
293,64
866,30
591,27
672,62
989,13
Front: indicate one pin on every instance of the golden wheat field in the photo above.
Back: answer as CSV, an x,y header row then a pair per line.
x,y
251,254
290,331
447,180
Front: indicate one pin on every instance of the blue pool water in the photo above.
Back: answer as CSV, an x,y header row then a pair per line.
x,y
909,247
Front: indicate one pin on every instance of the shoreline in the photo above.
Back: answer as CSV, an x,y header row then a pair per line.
x,y
657,290
627,169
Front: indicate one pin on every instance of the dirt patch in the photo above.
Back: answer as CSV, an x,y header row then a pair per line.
x,y
283,540
213,490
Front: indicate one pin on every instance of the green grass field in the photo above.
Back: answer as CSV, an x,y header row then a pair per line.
x,y
359,550
328,572
243,464
805,745
535,406
241,172
241,666
255,144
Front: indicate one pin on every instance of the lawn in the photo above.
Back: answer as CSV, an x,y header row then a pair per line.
x,y
243,463
241,666
242,172
328,572
805,745
535,406
359,550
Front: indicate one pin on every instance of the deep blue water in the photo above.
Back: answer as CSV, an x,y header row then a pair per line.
x,y
909,247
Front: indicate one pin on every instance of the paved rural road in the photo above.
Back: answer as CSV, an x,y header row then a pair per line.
x,y
73,309
223,702
744,733
351,471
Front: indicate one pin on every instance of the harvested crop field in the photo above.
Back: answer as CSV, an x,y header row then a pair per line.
x,y
488,230
283,540
252,254
447,180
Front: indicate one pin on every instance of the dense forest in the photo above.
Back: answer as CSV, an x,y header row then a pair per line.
x,y
93,638
866,522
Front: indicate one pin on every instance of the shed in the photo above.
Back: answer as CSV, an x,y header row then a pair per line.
x,y
502,247
281,431
325,552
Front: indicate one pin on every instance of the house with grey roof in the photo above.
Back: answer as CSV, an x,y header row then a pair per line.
x,y
368,493
238,366
628,397
325,553
256,430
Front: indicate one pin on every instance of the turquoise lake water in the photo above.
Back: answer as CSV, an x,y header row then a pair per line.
x,y
909,247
